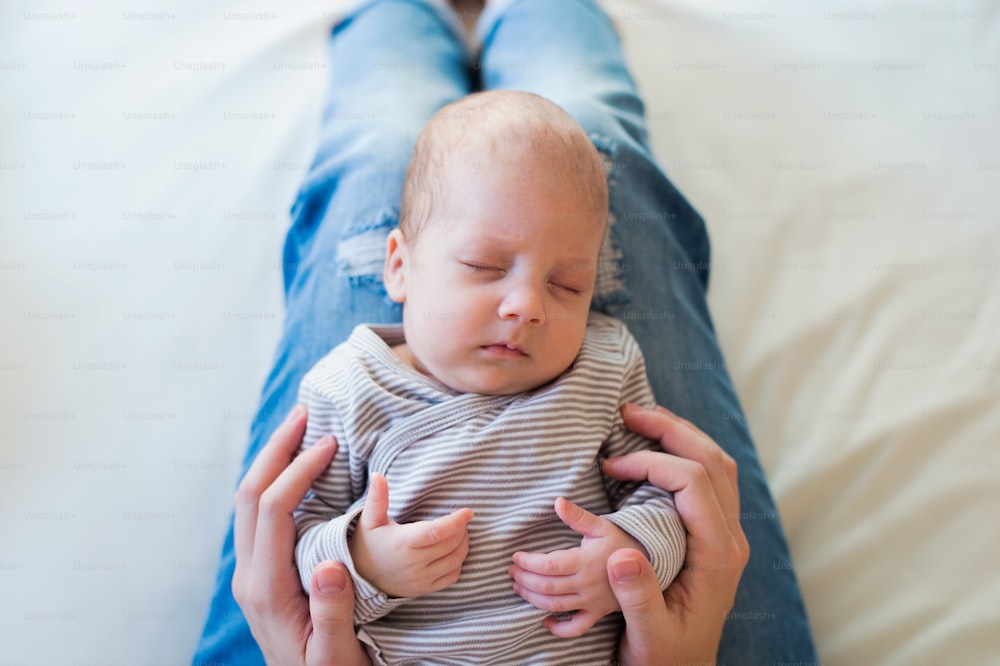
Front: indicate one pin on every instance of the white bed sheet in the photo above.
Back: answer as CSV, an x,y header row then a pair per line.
x,y
846,159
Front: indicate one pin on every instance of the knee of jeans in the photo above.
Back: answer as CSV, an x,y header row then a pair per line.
x,y
613,111
368,203
360,252
610,287
349,174
375,160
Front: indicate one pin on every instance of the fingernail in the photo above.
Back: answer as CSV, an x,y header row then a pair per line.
x,y
326,440
664,410
625,571
296,412
630,408
331,581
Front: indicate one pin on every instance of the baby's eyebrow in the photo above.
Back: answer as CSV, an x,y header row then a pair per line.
x,y
491,246
580,264
482,245
575,268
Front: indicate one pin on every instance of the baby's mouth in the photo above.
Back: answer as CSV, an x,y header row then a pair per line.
x,y
505,349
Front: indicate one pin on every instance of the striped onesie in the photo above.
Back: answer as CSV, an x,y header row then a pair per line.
x,y
507,457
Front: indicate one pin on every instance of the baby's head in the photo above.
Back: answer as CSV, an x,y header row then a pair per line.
x,y
504,211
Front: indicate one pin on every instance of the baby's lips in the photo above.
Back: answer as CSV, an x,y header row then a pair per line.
x,y
505,347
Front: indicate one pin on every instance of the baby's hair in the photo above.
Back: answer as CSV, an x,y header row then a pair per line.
x,y
492,126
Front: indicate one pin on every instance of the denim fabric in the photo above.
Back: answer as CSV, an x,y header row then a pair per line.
x,y
394,63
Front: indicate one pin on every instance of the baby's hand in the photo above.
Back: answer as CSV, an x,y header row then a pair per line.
x,y
575,579
412,559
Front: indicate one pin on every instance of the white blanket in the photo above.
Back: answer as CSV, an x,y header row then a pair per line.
x,y
845,156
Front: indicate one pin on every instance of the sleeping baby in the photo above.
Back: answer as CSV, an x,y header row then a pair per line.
x,y
466,496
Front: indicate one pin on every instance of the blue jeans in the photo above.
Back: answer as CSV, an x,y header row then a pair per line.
x,y
393,64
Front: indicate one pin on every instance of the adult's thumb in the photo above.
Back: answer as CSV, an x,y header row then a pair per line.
x,y
637,590
331,607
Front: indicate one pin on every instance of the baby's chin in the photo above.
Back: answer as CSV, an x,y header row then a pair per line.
x,y
488,381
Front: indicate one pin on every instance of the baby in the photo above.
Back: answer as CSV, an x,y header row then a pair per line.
x,y
464,490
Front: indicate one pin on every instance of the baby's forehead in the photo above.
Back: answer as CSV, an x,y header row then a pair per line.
x,y
483,230
519,153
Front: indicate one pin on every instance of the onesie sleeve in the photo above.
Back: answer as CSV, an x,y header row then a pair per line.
x,y
646,512
326,519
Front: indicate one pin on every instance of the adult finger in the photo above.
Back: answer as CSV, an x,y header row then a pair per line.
x,y
694,494
331,607
637,590
677,436
269,463
682,438
275,539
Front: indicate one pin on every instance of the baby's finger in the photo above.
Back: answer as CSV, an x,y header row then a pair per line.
x,y
575,626
579,519
376,510
434,533
556,563
555,603
446,570
544,584
453,557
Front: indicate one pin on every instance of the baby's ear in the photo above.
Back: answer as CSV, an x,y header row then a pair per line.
x,y
397,262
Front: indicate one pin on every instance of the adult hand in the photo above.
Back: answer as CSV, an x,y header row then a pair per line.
x,y
684,624
289,627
